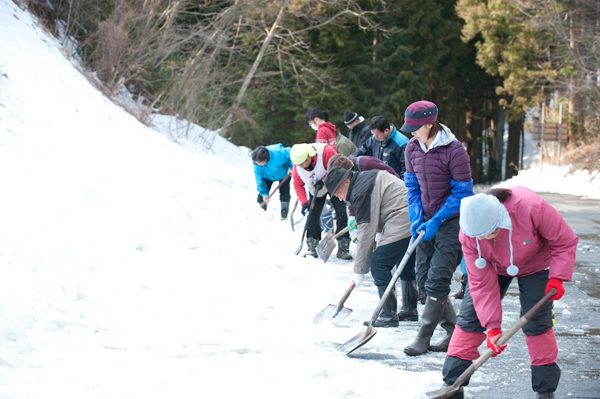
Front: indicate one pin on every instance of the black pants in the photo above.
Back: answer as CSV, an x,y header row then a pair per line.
x,y
284,191
313,229
437,260
386,257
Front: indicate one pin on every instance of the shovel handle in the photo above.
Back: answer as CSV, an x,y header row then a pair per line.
x,y
340,233
502,340
345,297
411,248
275,189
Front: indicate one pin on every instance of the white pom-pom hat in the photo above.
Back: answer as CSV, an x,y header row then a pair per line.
x,y
480,215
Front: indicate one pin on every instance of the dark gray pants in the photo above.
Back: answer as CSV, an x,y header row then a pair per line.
x,y
437,260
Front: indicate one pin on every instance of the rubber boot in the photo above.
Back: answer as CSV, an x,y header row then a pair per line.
x,y
312,247
388,316
432,313
285,209
344,249
544,395
447,323
410,297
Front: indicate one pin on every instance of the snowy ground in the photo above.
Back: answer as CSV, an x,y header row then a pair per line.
x,y
132,266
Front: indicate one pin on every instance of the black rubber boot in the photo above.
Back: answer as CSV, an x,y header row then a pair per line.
x,y
410,297
285,209
432,313
344,249
447,323
544,395
388,316
312,247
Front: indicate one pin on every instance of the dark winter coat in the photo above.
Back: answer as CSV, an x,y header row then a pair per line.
x,y
390,151
444,161
360,133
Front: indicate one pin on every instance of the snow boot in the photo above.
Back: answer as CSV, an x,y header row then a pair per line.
x,y
285,209
447,323
432,313
410,296
544,395
312,247
344,249
388,316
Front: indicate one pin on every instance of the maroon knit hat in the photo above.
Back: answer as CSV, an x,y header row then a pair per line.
x,y
419,114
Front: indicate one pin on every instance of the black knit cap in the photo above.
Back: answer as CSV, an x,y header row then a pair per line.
x,y
335,177
350,117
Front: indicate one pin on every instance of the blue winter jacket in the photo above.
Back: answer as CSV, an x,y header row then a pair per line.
x,y
391,151
275,169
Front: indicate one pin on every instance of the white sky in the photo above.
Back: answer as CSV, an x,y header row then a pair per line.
x,y
134,266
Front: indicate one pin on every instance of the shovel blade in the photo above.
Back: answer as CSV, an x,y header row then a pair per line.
x,y
358,340
325,247
443,393
332,315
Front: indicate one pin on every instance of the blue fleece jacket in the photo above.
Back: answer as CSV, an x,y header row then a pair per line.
x,y
275,169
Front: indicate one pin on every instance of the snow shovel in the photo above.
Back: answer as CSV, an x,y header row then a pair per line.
x,y
275,190
327,244
366,334
335,313
448,392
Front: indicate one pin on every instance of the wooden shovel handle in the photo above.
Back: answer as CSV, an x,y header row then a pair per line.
x,y
340,233
275,189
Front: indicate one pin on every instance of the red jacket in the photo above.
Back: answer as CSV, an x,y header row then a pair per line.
x,y
541,240
326,135
328,152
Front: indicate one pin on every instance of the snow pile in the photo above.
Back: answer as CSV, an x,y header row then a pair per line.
x,y
558,179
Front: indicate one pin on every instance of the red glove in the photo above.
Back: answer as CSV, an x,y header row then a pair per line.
x,y
494,335
560,290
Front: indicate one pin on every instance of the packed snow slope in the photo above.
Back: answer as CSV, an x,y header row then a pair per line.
x,y
135,267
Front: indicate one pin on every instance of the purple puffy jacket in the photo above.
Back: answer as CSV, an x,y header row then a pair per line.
x,y
445,160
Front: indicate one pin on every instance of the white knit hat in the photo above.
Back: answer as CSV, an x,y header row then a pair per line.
x,y
480,215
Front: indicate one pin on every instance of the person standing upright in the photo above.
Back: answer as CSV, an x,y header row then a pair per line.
x,y
359,130
386,143
326,131
438,177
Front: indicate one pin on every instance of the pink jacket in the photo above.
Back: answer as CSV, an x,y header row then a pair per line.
x,y
541,239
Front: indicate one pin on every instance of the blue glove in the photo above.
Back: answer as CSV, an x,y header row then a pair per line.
x,y
430,227
415,213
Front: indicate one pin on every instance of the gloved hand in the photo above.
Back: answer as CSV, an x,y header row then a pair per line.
x,y
304,209
493,336
318,186
351,220
414,226
560,290
431,227
415,214
357,279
